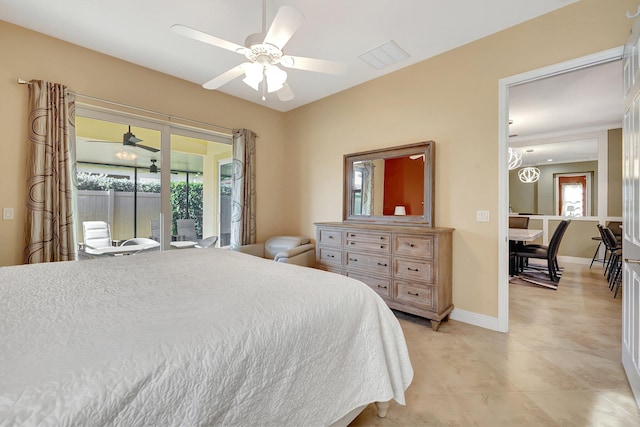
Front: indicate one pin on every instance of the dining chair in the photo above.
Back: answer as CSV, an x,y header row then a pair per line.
x,y
521,222
548,253
96,235
595,254
613,268
518,222
187,229
155,230
207,242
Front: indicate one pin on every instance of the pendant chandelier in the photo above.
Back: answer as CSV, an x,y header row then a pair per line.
x,y
515,158
529,175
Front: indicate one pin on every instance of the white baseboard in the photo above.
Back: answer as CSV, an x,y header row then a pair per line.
x,y
475,319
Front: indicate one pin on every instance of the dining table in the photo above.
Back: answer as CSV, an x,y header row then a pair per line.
x,y
520,236
524,234
123,250
182,244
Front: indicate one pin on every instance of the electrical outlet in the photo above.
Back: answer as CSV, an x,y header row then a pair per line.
x,y
482,216
7,213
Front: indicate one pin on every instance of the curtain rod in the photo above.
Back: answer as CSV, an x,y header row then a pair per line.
x,y
106,101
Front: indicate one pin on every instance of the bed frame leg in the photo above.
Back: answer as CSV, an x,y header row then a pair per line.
x,y
382,408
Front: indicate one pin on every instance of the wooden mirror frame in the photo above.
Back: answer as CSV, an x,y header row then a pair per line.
x,y
427,148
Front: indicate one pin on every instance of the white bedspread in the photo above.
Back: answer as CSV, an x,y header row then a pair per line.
x,y
192,337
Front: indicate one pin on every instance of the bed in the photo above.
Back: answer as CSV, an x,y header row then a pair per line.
x,y
193,337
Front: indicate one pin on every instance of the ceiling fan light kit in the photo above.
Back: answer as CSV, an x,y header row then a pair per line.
x,y
264,51
126,155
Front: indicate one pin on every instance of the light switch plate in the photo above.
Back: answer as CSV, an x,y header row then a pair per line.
x,y
7,213
482,216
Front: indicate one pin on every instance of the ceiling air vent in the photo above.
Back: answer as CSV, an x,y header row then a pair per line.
x,y
384,55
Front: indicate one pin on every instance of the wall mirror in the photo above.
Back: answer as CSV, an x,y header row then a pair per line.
x,y
391,185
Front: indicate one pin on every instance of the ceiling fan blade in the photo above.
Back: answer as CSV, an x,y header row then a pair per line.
x,y
224,78
286,22
313,64
285,94
145,147
192,33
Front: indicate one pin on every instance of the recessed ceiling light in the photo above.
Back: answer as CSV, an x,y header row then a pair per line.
x,y
549,160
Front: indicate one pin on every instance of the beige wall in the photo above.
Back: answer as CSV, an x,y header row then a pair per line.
x,y
614,173
453,100
546,185
29,55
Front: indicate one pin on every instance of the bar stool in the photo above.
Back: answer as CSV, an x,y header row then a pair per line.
x,y
595,254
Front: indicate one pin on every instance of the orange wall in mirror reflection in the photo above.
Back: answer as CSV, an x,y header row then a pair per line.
x,y
404,185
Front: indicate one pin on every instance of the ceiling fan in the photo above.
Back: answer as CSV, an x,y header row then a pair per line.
x,y
264,53
130,140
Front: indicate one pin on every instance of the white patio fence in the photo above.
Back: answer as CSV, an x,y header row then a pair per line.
x,y
116,208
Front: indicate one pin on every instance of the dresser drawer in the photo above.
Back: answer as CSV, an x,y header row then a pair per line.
x,y
382,285
330,256
330,236
415,294
414,269
376,264
413,246
369,236
380,246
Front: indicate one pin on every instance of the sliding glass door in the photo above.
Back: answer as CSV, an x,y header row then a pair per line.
x,y
122,181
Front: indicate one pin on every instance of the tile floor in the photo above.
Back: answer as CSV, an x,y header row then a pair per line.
x,y
559,365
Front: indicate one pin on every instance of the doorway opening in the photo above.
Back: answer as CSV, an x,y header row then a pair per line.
x,y
505,85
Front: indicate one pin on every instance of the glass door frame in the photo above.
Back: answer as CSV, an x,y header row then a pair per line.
x,y
166,130
221,163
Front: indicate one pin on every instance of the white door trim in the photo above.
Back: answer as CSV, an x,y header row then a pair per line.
x,y
503,170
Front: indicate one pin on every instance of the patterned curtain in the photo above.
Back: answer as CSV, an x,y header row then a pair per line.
x,y
243,189
50,234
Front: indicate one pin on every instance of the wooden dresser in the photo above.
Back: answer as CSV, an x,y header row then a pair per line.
x,y
408,266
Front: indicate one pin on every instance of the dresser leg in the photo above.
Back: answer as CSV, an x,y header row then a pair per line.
x,y
435,325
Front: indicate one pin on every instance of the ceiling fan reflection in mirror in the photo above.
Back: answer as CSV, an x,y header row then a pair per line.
x,y
264,54
130,140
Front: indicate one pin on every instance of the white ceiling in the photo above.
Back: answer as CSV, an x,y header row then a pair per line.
x,y
550,114
337,30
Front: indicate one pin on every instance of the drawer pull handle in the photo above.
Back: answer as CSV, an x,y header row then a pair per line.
x,y
331,237
382,287
415,295
353,259
353,235
331,256
352,243
412,269
382,265
381,246
411,245
381,237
